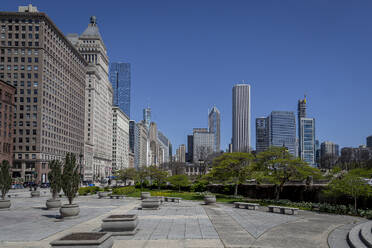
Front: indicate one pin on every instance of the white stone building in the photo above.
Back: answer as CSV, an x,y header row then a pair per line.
x,y
98,111
120,139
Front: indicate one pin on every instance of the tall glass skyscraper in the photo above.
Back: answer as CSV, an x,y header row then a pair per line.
x,y
283,130
120,79
307,141
214,123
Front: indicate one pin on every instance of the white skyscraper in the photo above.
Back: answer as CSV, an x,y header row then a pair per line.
x,y
241,118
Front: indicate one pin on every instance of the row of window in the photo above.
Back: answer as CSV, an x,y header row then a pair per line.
x,y
17,51
17,36
21,67
22,43
27,148
28,99
21,75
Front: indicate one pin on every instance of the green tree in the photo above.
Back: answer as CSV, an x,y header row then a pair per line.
x,y
233,168
126,174
5,178
55,177
179,181
141,175
351,184
157,175
70,177
277,166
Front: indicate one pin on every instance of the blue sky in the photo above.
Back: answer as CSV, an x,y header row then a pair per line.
x,y
187,55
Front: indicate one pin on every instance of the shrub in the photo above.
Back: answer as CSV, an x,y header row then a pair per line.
x,y
124,190
88,190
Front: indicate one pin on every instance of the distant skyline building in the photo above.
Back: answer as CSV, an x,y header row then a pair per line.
x,y
180,153
283,130
120,139
190,147
369,141
329,148
120,78
262,134
203,144
241,118
214,125
147,116
307,141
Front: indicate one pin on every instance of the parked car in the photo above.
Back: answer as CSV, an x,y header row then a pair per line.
x,y
45,185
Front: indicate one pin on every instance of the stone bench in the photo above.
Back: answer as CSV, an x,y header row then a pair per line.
x,y
172,199
247,205
117,196
282,209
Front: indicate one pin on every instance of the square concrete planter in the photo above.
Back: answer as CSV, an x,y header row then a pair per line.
x,y
145,195
152,203
120,225
84,240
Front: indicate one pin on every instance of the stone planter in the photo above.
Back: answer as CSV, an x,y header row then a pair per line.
x,y
209,199
102,194
69,211
150,203
53,203
35,193
84,239
125,224
4,204
145,195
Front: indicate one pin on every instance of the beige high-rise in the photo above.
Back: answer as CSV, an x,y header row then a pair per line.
x,y
98,93
49,74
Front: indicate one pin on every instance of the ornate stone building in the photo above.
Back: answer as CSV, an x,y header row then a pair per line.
x,y
98,93
120,139
49,75
7,106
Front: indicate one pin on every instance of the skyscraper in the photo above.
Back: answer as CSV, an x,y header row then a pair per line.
x,y
241,118
306,134
307,140
203,144
98,92
49,74
147,116
180,153
283,130
190,147
262,134
329,153
369,141
120,139
214,120
120,78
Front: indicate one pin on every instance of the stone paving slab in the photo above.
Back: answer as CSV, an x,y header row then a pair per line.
x,y
193,243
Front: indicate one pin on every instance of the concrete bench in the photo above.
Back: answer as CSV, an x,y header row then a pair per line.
x,y
247,205
172,199
117,196
283,209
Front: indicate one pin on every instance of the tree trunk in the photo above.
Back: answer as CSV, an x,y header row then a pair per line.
x,y
277,192
179,188
355,203
70,200
236,189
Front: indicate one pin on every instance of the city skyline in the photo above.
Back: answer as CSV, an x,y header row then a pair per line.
x,y
326,89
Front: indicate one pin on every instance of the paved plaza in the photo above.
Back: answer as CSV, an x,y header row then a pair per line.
x,y
186,224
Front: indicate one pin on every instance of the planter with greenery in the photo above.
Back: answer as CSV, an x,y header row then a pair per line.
x,y
70,186
5,184
55,180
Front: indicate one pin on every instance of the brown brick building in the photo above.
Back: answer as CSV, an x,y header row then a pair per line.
x,y
7,105
49,75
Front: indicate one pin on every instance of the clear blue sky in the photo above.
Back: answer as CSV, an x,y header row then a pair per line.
x,y
187,55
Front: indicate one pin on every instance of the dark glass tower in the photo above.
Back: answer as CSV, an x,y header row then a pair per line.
x,y
120,79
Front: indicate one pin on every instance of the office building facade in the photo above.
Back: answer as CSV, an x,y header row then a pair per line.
x,y
283,130
140,145
120,139
7,107
307,140
120,78
203,144
262,134
181,154
49,75
98,105
241,118
369,141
